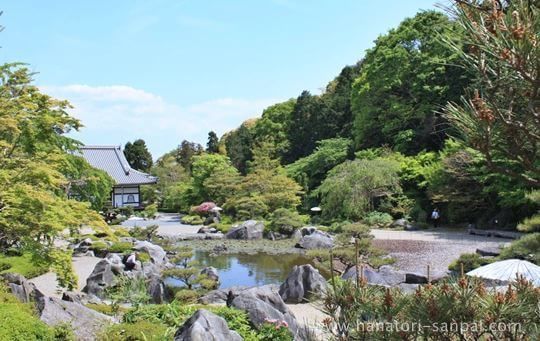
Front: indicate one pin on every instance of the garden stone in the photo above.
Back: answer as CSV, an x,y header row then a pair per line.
x,y
206,326
250,229
157,290
86,323
211,273
415,278
307,230
21,288
391,276
156,252
371,276
263,304
219,296
303,283
101,278
489,251
316,240
211,220
71,296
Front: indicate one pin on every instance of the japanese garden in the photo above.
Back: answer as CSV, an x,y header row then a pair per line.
x,y
402,202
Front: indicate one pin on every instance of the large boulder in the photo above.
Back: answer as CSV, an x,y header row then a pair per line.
x,y
100,279
157,290
303,283
391,276
24,290
263,304
316,240
85,322
156,252
416,278
489,251
206,326
250,229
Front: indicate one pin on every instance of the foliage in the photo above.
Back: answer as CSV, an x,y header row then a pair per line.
x,y
286,221
275,331
173,315
265,188
186,272
138,156
499,115
186,296
172,186
150,211
531,224
63,332
212,146
24,264
128,290
353,187
312,169
469,261
192,220
238,144
19,321
205,168
34,203
140,331
353,309
144,232
404,79
185,152
378,219
526,247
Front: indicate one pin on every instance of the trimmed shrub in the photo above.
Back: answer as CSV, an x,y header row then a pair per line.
x,y
531,224
23,265
286,221
527,247
192,220
470,262
378,219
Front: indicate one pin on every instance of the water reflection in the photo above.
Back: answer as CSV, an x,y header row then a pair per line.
x,y
250,270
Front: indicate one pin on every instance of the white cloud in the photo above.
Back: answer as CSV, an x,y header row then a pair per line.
x,y
115,114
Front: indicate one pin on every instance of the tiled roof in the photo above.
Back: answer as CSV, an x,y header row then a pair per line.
x,y
111,159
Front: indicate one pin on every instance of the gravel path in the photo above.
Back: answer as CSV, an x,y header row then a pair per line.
x,y
169,225
310,315
83,266
415,250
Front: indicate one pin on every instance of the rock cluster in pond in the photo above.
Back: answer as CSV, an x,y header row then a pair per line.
x,y
85,322
250,229
107,270
211,273
312,238
302,284
204,325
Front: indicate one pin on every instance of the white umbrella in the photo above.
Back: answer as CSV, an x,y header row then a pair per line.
x,y
216,209
508,270
315,209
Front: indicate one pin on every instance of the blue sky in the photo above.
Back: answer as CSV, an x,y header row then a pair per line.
x,y
171,70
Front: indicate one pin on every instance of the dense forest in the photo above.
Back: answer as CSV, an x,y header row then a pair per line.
x,y
422,121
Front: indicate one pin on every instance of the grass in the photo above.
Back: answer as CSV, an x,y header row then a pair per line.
x,y
23,265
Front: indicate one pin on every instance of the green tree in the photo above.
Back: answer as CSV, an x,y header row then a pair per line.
x,y
353,188
404,80
212,146
266,187
206,168
34,152
138,156
185,153
239,144
499,115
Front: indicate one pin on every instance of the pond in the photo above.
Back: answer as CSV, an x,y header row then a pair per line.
x,y
249,269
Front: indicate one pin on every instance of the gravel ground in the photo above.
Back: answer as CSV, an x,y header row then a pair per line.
x,y
415,250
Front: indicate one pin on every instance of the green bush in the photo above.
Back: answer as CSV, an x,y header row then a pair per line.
x,y
192,220
470,262
531,224
275,331
286,221
140,331
526,247
186,296
64,332
18,321
144,232
121,247
150,211
378,219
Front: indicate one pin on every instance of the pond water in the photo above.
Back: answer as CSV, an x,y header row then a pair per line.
x,y
249,270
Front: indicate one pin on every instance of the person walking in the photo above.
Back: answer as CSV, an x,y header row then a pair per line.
x,y
435,216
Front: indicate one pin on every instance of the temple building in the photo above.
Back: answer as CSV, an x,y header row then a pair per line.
x,y
128,181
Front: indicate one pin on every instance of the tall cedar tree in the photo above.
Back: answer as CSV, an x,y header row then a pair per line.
x,y
212,146
138,156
